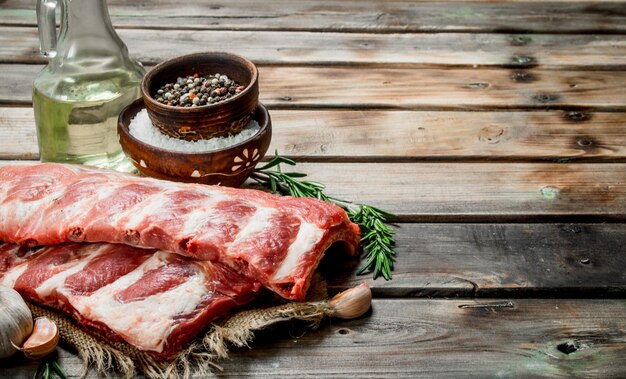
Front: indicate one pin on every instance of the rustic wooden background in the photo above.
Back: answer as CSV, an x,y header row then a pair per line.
x,y
496,130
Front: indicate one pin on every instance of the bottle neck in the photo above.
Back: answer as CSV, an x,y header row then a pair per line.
x,y
87,33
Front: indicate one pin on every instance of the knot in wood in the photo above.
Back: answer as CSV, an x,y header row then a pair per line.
x,y
522,60
519,40
523,77
546,98
549,192
490,134
576,116
478,85
574,229
569,347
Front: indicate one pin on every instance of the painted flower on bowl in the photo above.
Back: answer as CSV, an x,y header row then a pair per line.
x,y
246,159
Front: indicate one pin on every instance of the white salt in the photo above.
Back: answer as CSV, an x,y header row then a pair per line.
x,y
141,128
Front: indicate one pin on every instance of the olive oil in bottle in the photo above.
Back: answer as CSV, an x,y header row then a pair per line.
x,y
77,118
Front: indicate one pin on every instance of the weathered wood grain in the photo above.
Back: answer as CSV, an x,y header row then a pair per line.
x,y
356,16
489,260
480,191
391,85
426,338
18,137
452,338
405,88
21,44
437,88
345,135
493,192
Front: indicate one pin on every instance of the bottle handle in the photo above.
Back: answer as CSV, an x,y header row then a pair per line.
x,y
46,23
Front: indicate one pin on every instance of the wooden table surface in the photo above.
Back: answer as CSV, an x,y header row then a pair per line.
x,y
496,130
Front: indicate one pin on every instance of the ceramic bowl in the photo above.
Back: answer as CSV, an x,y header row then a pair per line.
x,y
206,121
229,166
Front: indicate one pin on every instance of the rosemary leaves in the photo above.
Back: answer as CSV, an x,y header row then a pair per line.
x,y
48,369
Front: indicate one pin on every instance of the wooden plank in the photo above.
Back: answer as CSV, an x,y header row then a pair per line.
x,y
480,192
489,260
404,338
356,16
18,137
453,192
456,136
406,88
21,44
425,338
345,135
436,88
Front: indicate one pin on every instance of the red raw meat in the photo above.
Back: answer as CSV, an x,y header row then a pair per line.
x,y
154,300
278,240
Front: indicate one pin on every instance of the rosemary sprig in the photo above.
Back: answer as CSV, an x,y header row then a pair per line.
x,y
48,368
377,234
377,239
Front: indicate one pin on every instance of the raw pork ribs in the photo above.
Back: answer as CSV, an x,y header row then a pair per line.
x,y
117,244
154,300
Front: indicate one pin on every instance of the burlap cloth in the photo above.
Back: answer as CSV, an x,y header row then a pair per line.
x,y
201,355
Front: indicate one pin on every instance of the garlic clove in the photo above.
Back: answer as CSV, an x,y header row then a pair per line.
x,y
43,340
352,303
16,321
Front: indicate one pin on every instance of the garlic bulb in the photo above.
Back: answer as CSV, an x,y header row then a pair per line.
x,y
16,321
352,303
43,340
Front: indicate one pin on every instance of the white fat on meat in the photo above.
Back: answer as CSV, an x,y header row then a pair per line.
x,y
75,211
259,221
9,279
28,210
197,217
151,205
307,238
58,281
144,323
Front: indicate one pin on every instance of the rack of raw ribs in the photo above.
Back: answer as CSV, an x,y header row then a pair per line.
x,y
153,262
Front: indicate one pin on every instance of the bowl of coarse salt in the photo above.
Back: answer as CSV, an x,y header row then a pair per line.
x,y
223,160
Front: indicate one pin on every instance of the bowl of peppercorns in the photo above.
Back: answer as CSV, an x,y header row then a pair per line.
x,y
201,96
